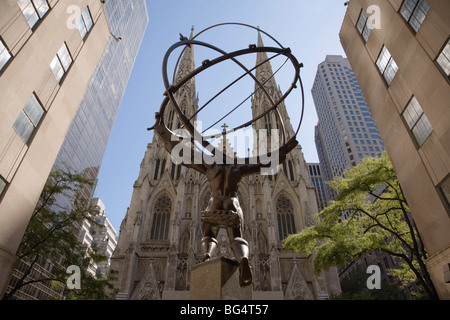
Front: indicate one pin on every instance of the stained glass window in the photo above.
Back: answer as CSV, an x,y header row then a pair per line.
x,y
161,218
285,217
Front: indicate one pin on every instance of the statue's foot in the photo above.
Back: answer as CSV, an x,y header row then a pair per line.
x,y
206,257
245,273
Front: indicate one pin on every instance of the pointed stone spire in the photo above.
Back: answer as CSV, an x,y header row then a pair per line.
x,y
262,56
186,96
192,33
187,63
264,74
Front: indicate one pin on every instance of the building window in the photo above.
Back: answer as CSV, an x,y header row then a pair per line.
x,y
417,121
285,169
33,10
291,170
4,55
155,176
415,12
444,188
170,120
29,118
285,217
85,23
161,218
443,60
178,171
3,185
172,172
61,62
364,25
268,124
387,65
163,167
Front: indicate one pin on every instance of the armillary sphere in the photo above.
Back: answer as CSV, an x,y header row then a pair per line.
x,y
168,135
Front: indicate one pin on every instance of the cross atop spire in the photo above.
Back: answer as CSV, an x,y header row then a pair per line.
x,y
224,128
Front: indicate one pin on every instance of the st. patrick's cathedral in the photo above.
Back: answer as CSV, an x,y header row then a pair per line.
x,y
160,236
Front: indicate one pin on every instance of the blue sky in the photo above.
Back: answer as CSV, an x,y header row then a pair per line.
x,y
310,28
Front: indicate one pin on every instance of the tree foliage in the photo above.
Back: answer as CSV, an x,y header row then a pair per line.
x,y
378,220
51,239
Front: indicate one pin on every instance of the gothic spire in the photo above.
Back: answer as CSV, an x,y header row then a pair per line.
x,y
264,74
186,64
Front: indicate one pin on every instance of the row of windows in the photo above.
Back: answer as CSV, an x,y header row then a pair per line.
x,y
413,114
414,12
35,10
291,170
163,208
32,113
314,170
160,167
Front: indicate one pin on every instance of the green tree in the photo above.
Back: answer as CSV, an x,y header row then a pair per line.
x,y
378,220
51,238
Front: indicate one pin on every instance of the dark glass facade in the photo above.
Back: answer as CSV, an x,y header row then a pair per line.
x,y
87,138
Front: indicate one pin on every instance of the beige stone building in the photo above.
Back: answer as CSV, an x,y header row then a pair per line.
x,y
49,50
160,236
400,53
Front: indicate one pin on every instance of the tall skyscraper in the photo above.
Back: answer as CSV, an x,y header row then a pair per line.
x,y
85,143
160,236
346,132
400,52
48,55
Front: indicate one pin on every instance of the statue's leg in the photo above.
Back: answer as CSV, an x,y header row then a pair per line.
x,y
241,252
209,242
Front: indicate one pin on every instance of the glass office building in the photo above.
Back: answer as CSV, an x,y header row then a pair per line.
x,y
87,138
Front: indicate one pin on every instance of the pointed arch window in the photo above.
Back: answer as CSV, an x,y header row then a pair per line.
x,y
268,124
285,217
183,111
172,172
161,218
170,119
285,169
290,175
291,170
163,167
155,177
178,171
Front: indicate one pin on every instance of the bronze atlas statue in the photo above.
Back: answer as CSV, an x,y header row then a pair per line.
x,y
222,170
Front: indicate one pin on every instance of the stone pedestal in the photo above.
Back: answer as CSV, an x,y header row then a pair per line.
x,y
217,279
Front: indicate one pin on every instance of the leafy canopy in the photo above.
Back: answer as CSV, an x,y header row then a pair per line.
x,y
377,219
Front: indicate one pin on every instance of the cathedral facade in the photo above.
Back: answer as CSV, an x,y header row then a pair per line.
x,y
160,236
